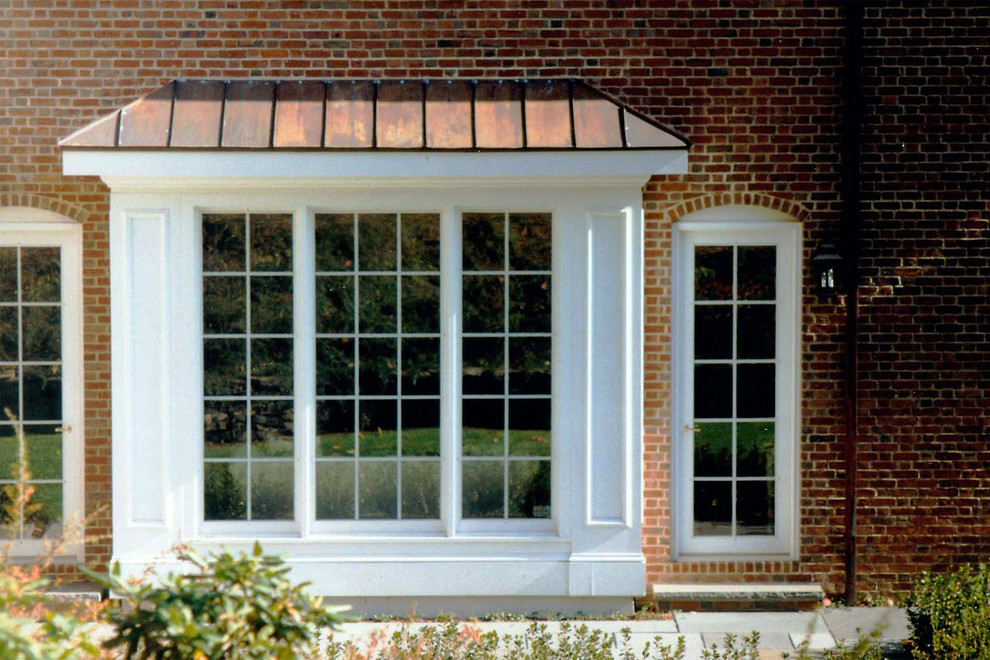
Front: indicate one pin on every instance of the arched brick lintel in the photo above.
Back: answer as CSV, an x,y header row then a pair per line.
x,y
67,209
779,204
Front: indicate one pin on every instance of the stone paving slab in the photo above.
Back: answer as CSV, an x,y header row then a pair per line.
x,y
842,622
769,640
746,622
694,646
818,641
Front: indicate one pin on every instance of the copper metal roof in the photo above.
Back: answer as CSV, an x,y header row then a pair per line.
x,y
483,115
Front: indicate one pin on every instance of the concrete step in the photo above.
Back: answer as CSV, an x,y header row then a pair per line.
x,y
736,597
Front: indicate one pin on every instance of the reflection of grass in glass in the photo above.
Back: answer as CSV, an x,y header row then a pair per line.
x,y
424,442
267,449
44,460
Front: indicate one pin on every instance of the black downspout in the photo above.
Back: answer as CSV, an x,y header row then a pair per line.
x,y
852,129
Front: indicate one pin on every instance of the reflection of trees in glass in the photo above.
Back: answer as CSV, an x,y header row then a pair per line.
x,y
483,246
529,489
271,242
377,241
530,241
40,274
223,243
225,496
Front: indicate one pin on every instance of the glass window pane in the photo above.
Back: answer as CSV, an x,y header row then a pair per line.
x,y
529,303
483,489
529,427
224,429
530,241
9,334
483,365
9,392
420,304
529,365
421,366
334,366
271,242
8,274
41,274
757,272
755,390
378,303
223,243
225,491
713,272
713,450
529,489
376,241
484,303
271,367
45,517
271,490
757,331
755,449
335,490
420,427
42,333
335,304
421,241
224,308
483,427
10,453
271,429
712,332
44,451
224,366
335,428
754,508
421,489
271,305
377,485
377,434
483,242
712,508
378,366
712,391
43,392
334,241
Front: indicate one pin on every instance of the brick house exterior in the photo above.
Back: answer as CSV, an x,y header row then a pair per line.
x,y
755,86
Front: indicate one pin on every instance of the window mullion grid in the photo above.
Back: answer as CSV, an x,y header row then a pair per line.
x,y
398,365
357,368
19,426
505,366
735,377
249,407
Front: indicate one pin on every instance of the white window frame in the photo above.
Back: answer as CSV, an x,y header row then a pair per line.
x,y
738,225
29,227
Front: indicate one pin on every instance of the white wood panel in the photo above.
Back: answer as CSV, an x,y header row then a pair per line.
x,y
148,432
607,354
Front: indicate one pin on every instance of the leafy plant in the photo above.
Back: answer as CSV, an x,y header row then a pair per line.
x,y
232,606
733,648
449,641
949,614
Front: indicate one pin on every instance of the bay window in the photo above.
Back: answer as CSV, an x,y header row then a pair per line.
x,y
371,306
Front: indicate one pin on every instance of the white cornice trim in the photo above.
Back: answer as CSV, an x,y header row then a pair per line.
x,y
143,170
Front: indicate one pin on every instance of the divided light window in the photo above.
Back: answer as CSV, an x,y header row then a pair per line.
x,y
376,282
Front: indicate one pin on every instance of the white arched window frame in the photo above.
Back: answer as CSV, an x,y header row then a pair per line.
x,y
699,490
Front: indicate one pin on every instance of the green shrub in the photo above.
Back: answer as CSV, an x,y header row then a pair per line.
x,y
235,607
950,615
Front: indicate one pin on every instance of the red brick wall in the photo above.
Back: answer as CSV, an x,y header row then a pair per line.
x,y
754,84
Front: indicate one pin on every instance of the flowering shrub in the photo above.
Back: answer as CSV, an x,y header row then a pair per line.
x,y
231,606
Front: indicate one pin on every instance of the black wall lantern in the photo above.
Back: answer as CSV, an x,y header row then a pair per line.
x,y
827,267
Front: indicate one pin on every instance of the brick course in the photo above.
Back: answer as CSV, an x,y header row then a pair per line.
x,y
754,84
